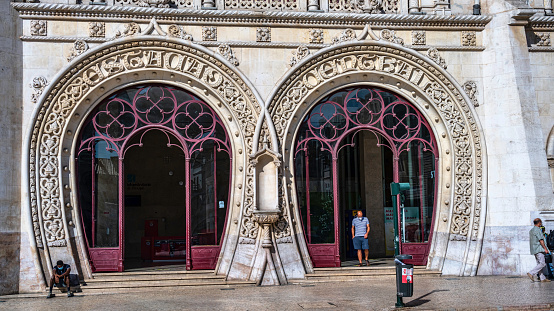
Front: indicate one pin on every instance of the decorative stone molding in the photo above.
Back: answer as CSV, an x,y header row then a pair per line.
x,y
543,38
263,34
226,51
390,35
177,31
470,87
97,29
435,56
345,36
154,3
38,85
262,4
316,35
365,6
39,28
469,38
129,29
247,241
300,53
419,37
250,18
290,101
209,33
47,196
79,47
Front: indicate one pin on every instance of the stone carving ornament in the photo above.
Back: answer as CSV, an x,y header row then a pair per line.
x,y
543,39
262,4
226,51
316,36
209,33
154,3
468,167
178,32
390,35
300,53
46,197
469,38
470,87
345,36
433,54
418,37
129,29
38,28
38,86
263,34
97,29
79,47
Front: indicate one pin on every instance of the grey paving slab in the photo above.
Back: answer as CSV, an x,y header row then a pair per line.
x,y
430,293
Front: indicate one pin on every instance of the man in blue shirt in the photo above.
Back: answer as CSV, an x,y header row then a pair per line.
x,y
360,231
60,275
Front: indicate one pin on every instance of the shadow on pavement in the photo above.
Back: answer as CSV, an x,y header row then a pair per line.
x,y
420,301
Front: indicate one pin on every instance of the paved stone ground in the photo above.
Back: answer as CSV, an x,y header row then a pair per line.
x,y
430,293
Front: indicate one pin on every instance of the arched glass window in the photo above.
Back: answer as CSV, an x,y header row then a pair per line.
x,y
349,148
153,178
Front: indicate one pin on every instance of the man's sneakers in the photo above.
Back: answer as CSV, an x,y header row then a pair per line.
x,y
531,277
50,295
69,294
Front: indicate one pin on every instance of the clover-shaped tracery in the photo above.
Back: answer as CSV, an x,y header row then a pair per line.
x,y
170,110
341,115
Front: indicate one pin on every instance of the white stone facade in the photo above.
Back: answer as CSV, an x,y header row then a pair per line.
x,y
481,81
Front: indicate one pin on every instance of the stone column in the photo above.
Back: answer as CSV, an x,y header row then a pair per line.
x,y
413,6
313,5
518,182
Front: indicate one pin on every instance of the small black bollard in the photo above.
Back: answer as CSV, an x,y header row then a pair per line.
x,y
404,279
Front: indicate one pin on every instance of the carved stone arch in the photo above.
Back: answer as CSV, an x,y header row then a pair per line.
x,y
74,92
461,191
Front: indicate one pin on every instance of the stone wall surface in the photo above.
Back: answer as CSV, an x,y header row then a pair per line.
x,y
519,184
10,148
512,102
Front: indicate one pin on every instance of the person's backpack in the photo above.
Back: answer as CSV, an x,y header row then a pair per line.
x,y
550,240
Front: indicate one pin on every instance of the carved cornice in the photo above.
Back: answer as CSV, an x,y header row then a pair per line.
x,y
229,17
541,23
285,45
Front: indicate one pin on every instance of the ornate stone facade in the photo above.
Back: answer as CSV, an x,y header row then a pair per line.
x,y
286,60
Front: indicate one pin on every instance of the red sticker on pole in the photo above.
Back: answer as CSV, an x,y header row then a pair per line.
x,y
407,275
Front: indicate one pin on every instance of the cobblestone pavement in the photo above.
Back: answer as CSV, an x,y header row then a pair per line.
x,y
430,293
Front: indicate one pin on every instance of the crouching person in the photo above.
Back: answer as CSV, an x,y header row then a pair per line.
x,y
60,276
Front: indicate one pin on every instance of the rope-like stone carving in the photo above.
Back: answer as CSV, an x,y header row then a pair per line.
x,y
449,102
269,18
54,113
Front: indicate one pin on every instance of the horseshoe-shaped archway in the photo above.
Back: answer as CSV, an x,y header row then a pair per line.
x,y
48,166
461,190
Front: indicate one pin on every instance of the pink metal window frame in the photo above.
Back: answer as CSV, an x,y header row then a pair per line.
x,y
190,139
364,118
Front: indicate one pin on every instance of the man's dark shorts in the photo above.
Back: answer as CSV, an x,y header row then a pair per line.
x,y
360,243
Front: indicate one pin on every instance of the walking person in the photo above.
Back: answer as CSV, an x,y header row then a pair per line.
x,y
360,231
539,249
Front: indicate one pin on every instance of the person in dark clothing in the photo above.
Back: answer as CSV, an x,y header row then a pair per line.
x,y
60,275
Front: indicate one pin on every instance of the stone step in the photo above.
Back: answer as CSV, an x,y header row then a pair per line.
x,y
345,274
159,283
149,276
